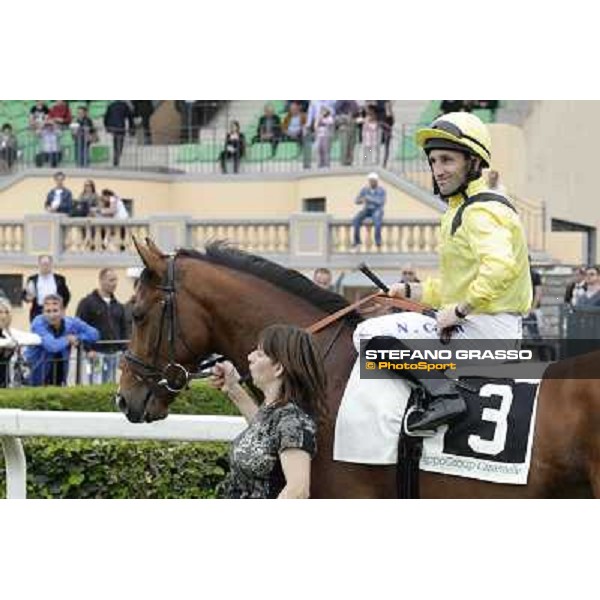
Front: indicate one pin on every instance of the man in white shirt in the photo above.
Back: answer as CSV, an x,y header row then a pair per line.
x,y
44,283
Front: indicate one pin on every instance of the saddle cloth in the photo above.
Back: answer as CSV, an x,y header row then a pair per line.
x,y
492,442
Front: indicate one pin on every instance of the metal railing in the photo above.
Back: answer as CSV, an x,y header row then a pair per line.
x,y
79,368
202,153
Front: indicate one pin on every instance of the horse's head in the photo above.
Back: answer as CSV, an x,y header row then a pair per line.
x,y
169,334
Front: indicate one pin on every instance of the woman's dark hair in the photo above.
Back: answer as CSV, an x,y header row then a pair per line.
x,y
91,184
303,379
107,192
236,123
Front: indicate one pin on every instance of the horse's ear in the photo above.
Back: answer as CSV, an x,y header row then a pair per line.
x,y
153,247
151,260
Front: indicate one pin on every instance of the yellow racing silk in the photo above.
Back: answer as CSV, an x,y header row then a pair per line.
x,y
485,262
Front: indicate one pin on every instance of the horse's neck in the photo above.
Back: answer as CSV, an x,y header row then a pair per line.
x,y
237,325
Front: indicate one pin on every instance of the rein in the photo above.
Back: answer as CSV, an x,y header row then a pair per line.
x,y
378,298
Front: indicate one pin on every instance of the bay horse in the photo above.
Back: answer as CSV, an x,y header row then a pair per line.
x,y
192,304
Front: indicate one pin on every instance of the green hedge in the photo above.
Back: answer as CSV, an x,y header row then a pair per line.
x,y
200,399
84,468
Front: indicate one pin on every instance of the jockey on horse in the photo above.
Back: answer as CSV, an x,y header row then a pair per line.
x,y
484,286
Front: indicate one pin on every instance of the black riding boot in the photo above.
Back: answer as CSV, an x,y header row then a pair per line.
x,y
444,405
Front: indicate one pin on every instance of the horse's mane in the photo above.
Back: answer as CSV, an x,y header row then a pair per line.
x,y
221,253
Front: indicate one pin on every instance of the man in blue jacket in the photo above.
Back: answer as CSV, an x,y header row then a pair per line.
x,y
372,197
50,361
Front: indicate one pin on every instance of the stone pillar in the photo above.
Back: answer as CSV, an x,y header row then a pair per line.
x,y
309,239
43,235
169,231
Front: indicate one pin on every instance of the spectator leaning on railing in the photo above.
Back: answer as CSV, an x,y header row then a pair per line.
x,y
112,206
103,311
49,150
49,362
10,339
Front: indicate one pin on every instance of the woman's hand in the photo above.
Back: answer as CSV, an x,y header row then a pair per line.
x,y
224,376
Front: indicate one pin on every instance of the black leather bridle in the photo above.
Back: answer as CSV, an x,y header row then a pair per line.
x,y
172,377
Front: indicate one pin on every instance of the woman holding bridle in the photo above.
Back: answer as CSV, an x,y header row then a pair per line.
x,y
272,457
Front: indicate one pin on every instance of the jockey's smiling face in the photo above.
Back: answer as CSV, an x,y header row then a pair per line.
x,y
449,168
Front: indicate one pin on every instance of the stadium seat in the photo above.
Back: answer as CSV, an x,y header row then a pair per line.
x,y
99,154
208,152
287,151
278,106
187,153
259,152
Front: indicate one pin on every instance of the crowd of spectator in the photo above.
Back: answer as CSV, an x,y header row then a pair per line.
x,y
49,123
43,355
314,125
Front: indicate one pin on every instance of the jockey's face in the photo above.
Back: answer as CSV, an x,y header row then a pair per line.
x,y
449,168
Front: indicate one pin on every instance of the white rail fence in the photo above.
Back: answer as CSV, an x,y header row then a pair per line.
x,y
15,424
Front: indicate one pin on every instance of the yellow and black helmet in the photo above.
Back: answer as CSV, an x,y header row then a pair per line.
x,y
457,131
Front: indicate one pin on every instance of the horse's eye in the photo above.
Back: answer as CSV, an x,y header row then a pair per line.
x,y
137,315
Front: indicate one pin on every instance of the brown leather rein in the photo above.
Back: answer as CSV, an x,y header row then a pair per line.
x,y
379,298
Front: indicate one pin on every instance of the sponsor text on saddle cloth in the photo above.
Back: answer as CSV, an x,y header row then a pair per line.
x,y
492,442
